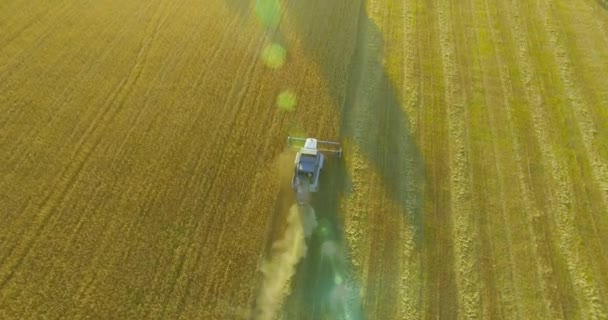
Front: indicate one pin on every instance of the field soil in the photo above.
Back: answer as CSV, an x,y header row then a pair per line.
x,y
144,171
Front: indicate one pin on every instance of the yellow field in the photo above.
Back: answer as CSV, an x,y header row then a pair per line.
x,y
140,143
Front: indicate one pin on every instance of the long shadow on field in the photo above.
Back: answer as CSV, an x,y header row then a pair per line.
x,y
345,43
348,47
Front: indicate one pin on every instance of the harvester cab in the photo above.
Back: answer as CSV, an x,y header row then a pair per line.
x,y
309,162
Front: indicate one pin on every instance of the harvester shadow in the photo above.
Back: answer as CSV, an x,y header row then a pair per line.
x,y
317,273
348,47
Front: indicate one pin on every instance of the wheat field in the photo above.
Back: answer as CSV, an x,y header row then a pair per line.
x,y
143,171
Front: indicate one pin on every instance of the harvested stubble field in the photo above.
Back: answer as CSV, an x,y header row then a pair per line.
x,y
139,143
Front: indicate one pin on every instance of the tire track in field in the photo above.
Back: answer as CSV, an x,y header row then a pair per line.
x,y
352,86
364,92
506,151
181,274
63,102
586,129
588,25
206,185
412,304
503,196
112,271
228,121
169,65
590,113
580,107
13,66
26,55
602,22
603,3
69,175
7,4
560,192
512,91
411,67
233,150
34,19
465,259
121,155
57,116
383,265
490,188
45,224
381,274
24,145
536,149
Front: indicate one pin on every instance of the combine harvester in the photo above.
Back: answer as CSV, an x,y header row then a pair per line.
x,y
308,165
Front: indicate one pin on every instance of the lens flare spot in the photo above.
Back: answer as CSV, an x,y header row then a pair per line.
x,y
274,56
287,100
269,12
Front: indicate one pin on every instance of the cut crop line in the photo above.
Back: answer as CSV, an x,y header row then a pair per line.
x,y
411,68
584,122
467,278
594,25
524,190
580,108
514,293
382,299
561,195
579,51
441,299
534,98
586,128
411,274
599,17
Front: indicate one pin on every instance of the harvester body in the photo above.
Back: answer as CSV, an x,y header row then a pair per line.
x,y
309,163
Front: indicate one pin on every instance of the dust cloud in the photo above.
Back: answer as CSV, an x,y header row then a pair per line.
x,y
278,270
286,252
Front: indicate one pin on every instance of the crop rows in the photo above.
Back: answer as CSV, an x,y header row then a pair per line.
x,y
139,144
